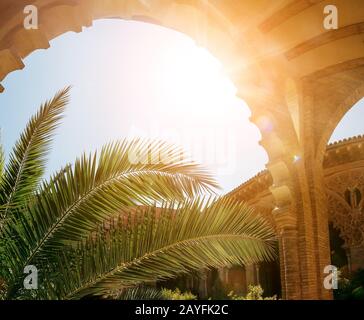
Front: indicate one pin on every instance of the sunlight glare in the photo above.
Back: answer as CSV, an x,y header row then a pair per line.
x,y
133,79
197,79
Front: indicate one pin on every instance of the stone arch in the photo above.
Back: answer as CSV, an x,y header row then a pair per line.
x,y
273,98
197,19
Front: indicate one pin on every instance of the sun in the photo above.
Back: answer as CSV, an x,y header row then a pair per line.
x,y
195,81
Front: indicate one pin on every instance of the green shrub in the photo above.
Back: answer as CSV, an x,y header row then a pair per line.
x,y
351,289
176,294
254,293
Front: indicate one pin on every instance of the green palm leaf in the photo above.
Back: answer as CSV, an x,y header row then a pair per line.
x,y
151,244
82,197
115,220
27,160
138,293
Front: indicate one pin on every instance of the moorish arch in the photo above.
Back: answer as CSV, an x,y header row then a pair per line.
x,y
262,45
346,104
344,182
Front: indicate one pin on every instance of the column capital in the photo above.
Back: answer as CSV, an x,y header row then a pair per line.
x,y
284,218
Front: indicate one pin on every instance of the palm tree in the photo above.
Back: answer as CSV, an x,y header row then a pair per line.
x,y
114,219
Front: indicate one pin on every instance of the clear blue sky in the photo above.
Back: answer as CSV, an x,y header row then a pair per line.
x,y
136,79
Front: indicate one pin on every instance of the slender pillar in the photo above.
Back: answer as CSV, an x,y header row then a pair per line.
x,y
288,254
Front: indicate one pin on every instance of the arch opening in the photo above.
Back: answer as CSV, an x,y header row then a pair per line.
x,y
205,104
350,124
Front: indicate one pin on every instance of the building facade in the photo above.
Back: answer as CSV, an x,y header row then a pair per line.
x,y
343,169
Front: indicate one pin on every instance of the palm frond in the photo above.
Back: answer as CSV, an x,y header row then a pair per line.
x,y
79,199
138,293
152,244
27,160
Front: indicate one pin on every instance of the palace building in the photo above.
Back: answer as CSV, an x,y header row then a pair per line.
x,y
343,168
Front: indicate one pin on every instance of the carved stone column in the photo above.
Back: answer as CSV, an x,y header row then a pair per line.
x,y
286,118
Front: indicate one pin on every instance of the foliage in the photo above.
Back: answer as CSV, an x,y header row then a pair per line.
x,y
254,293
176,294
114,220
352,288
138,293
151,293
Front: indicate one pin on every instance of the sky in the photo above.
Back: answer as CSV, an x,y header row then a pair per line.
x,y
136,79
